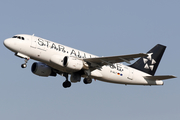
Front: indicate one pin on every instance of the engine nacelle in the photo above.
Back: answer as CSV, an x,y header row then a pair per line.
x,y
73,63
57,59
42,69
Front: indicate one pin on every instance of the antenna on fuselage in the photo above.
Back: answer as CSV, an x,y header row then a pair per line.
x,y
33,35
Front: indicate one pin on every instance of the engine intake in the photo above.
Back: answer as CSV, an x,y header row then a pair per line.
x,y
42,69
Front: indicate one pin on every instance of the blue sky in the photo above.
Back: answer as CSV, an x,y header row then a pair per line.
x,y
100,27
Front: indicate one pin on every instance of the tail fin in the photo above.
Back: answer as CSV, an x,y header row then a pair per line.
x,y
150,63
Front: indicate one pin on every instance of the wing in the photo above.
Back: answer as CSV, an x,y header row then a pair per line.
x,y
100,61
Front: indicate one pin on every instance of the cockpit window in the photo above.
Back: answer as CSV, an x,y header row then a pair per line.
x,y
19,37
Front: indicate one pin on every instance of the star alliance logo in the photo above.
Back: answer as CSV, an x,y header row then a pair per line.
x,y
147,64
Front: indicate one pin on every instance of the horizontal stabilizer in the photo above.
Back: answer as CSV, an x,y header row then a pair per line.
x,y
163,77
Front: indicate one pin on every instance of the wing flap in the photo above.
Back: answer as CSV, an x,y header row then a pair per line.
x,y
161,77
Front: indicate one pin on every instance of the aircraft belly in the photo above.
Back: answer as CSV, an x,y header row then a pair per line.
x,y
113,76
125,78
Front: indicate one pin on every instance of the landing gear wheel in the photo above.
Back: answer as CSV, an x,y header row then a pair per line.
x,y
23,65
66,84
87,80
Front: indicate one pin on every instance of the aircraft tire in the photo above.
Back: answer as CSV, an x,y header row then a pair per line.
x,y
87,80
66,84
23,65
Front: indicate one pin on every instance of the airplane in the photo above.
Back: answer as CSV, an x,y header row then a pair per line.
x,y
54,58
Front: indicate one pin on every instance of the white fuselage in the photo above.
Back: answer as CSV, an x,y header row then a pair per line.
x,y
42,50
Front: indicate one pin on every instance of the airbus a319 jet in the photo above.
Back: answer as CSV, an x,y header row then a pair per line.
x,y
59,59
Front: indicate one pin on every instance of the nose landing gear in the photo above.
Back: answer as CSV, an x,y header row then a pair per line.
x,y
25,64
23,56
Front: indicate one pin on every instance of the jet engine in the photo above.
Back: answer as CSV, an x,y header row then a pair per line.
x,y
42,69
74,64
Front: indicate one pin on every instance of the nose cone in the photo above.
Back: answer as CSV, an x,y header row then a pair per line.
x,y
8,43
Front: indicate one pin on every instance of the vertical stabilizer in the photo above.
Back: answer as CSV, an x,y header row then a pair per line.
x,y
150,63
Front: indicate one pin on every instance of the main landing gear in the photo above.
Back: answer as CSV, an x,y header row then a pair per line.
x,y
87,80
67,83
25,64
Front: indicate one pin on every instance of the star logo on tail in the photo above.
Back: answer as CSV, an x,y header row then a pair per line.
x,y
149,65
